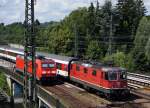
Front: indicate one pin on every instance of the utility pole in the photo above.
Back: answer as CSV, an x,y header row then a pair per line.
x,y
29,88
111,34
76,41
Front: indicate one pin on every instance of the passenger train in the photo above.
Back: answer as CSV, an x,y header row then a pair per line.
x,y
111,81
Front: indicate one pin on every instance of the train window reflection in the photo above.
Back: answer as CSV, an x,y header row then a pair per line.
x,y
112,76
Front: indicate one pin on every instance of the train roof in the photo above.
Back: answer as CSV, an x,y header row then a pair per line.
x,y
57,58
15,50
98,65
65,59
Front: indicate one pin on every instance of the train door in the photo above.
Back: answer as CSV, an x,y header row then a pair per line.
x,y
101,78
72,70
104,78
77,71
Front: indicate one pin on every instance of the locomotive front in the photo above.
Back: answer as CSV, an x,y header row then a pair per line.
x,y
116,81
48,68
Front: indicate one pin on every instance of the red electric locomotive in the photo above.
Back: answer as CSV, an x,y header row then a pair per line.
x,y
45,68
111,81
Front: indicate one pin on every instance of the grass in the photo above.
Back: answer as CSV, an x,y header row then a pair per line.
x,y
3,83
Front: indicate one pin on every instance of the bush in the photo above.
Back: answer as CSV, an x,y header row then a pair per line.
x,y
121,59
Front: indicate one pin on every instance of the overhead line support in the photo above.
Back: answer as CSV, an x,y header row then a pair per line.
x,y
29,88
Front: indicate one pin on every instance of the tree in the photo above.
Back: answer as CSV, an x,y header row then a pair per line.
x,y
91,20
130,12
142,34
103,25
141,40
121,59
147,50
93,51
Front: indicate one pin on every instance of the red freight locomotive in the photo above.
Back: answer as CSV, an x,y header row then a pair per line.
x,y
45,68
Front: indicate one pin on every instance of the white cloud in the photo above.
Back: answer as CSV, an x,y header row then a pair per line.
x,y
45,10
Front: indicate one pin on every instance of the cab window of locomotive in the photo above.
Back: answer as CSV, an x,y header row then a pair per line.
x,y
122,75
51,65
112,76
106,75
94,73
44,65
78,68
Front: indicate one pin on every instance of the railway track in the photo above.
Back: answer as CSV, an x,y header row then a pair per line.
x,y
139,85
76,97
139,79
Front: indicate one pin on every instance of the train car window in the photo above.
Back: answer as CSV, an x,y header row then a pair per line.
x,y
106,75
85,70
78,68
123,75
1,51
94,73
58,66
12,54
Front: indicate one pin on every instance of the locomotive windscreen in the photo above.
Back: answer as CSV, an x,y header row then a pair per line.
x,y
123,75
112,76
48,65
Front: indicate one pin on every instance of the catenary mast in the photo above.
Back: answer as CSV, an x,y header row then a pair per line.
x,y
29,88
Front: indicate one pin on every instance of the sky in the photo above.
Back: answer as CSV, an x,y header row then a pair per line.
x,y
45,10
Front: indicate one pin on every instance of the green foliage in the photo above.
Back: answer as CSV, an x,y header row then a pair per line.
x,y
141,48
12,33
129,14
62,36
3,82
147,50
93,51
121,59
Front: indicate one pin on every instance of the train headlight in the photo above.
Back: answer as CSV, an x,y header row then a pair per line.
x,y
43,72
53,72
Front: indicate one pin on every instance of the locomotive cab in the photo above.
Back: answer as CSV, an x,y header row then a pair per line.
x,y
116,81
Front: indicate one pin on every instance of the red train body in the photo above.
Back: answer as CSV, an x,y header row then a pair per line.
x,y
45,68
108,80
